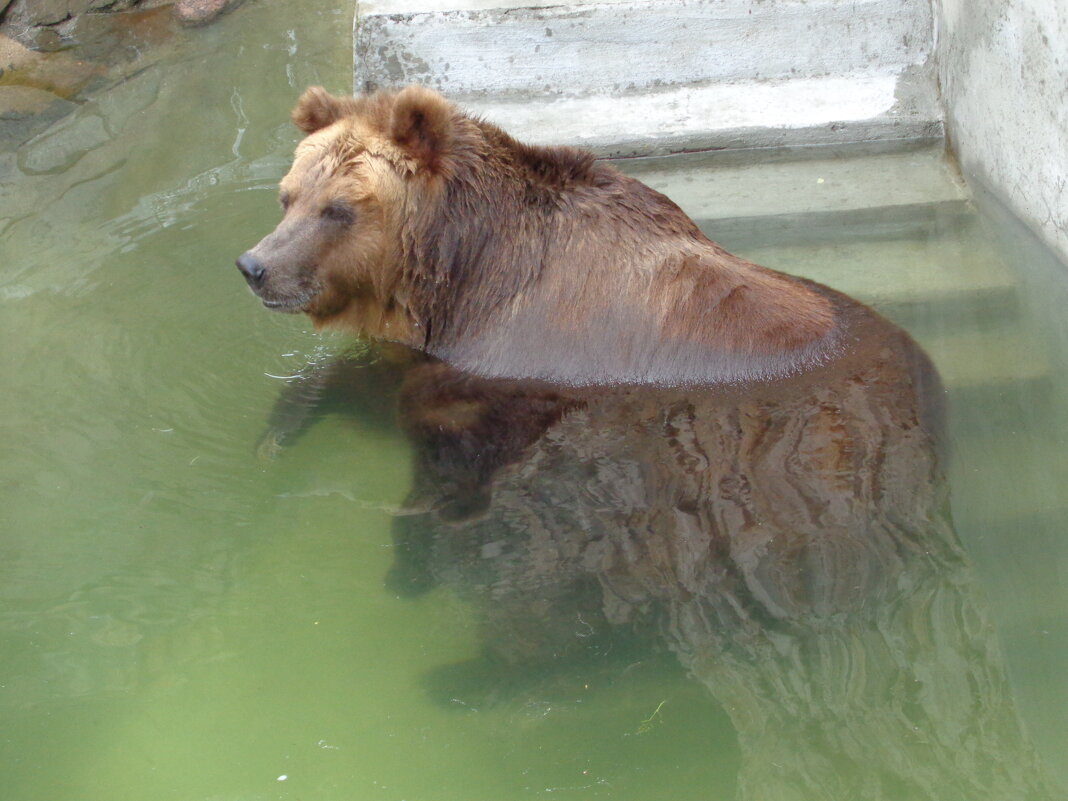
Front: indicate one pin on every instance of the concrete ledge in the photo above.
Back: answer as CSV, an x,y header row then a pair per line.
x,y
714,186
807,111
919,220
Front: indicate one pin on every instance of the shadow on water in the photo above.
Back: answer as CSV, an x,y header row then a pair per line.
x,y
790,542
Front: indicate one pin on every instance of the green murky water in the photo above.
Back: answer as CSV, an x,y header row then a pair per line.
x,y
180,620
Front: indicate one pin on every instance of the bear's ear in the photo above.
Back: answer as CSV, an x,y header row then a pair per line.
x,y
317,108
421,125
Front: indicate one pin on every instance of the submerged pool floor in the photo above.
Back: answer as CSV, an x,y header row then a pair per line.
x,y
182,620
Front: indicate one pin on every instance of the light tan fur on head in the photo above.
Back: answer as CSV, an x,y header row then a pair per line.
x,y
326,257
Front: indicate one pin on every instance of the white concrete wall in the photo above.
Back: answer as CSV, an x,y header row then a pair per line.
x,y
1003,65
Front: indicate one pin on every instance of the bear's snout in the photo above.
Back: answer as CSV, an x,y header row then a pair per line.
x,y
252,269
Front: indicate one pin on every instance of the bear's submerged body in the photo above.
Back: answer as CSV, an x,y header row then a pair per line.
x,y
788,541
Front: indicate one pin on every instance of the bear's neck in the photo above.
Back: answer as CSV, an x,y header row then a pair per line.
x,y
464,270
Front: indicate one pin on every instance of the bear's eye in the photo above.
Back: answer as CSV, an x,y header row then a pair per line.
x,y
284,200
338,212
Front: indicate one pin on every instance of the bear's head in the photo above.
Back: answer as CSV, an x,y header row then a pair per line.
x,y
352,184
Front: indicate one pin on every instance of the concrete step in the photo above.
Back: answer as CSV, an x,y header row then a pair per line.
x,y
981,368
812,195
523,50
905,221
813,111
799,181
628,77
940,283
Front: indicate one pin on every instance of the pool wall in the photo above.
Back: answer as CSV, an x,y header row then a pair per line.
x,y
1003,66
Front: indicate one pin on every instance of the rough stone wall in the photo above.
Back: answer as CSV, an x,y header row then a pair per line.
x,y
57,55
1003,65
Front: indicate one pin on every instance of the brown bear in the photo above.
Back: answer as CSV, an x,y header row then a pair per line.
x,y
726,462
410,221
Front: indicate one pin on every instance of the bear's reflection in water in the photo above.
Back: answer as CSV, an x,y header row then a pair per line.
x,y
790,541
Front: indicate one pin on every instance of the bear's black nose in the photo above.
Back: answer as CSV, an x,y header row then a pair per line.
x,y
251,268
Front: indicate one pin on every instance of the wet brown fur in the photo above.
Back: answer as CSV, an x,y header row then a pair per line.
x,y
492,253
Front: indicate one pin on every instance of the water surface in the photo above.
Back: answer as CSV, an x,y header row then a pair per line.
x,y
180,619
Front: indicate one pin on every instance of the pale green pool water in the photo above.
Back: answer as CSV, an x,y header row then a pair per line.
x,y
179,620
